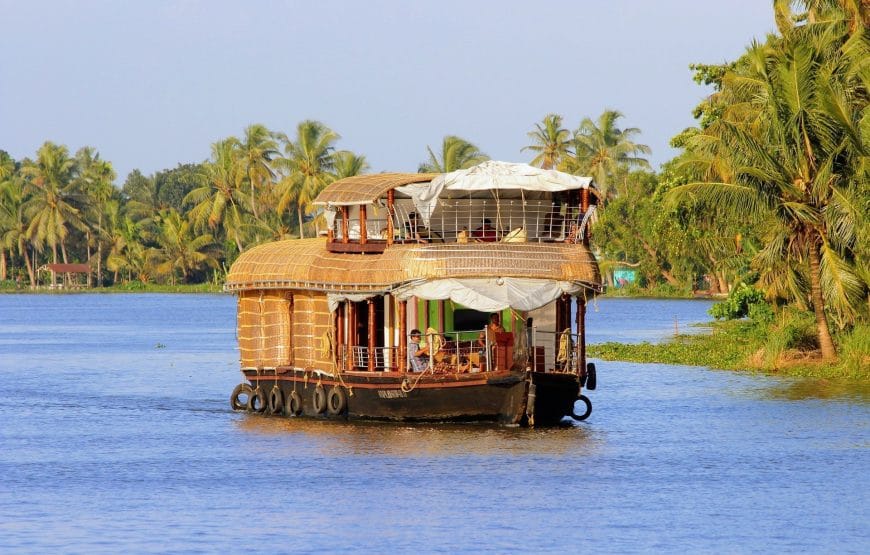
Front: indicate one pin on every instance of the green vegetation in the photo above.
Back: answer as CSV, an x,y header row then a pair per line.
x,y
768,200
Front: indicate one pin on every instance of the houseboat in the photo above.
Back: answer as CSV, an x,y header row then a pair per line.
x,y
429,297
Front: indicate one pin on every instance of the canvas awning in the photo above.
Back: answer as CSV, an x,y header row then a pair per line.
x,y
491,294
495,180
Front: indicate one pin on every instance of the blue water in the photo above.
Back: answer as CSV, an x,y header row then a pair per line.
x,y
116,435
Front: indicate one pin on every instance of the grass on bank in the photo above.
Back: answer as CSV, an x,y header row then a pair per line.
x,y
785,346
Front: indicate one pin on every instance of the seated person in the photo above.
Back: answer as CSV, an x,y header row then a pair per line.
x,y
415,230
418,355
485,233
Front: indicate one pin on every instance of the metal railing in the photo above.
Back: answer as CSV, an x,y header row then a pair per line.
x,y
473,351
477,221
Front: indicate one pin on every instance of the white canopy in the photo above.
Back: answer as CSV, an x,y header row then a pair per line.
x,y
491,294
491,176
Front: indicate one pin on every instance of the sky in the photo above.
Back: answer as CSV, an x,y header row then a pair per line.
x,y
152,84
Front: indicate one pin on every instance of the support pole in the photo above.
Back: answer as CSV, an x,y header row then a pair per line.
x,y
363,232
344,225
351,334
403,336
391,198
372,346
581,333
584,207
340,348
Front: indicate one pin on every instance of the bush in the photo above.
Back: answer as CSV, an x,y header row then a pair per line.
x,y
738,303
855,351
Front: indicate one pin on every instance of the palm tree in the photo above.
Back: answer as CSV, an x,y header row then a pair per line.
x,y
220,203
456,154
13,224
258,150
602,150
96,179
791,131
347,164
307,167
551,142
179,248
7,209
127,252
53,207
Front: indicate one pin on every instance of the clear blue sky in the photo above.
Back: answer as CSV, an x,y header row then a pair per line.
x,y
154,83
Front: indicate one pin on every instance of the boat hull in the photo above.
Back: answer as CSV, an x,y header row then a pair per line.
x,y
502,397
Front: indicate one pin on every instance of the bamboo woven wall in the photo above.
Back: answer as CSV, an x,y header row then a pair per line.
x,y
264,329
312,321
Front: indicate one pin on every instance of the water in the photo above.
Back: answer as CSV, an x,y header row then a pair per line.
x,y
116,436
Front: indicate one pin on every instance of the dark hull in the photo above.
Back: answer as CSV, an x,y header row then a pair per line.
x,y
495,396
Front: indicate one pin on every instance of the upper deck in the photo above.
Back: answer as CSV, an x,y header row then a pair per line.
x,y
489,203
390,231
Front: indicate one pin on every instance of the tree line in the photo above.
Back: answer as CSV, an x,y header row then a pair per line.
x,y
770,187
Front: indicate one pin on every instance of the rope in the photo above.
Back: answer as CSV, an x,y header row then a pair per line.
x,y
409,388
329,339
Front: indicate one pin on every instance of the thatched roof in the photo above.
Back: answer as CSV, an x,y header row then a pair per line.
x,y
306,264
365,189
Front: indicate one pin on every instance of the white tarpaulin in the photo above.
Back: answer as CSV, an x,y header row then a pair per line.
x,y
491,176
491,294
334,299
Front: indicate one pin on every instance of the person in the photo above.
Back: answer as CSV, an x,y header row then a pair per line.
x,y
485,233
494,327
418,355
415,230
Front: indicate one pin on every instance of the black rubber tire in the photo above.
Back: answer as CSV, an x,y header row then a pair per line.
x,y
276,401
235,401
591,377
319,400
336,401
257,401
293,405
586,414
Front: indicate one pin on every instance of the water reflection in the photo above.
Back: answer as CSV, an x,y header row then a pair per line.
x,y
802,389
423,440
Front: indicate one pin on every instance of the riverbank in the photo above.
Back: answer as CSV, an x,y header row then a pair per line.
x,y
131,287
745,346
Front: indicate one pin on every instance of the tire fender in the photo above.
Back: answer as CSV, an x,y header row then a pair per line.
x,y
276,400
591,377
336,402
235,398
293,405
257,401
319,400
587,412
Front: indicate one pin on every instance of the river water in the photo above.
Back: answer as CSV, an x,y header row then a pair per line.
x,y
116,435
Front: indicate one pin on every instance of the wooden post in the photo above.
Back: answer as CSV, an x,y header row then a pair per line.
x,y
581,333
363,232
584,207
403,336
340,349
372,343
441,325
388,333
351,334
344,224
557,335
391,199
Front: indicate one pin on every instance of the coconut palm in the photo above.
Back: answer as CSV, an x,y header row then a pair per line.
x,y
180,248
791,130
220,203
127,253
95,182
347,164
603,150
307,167
456,154
53,207
551,142
258,150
